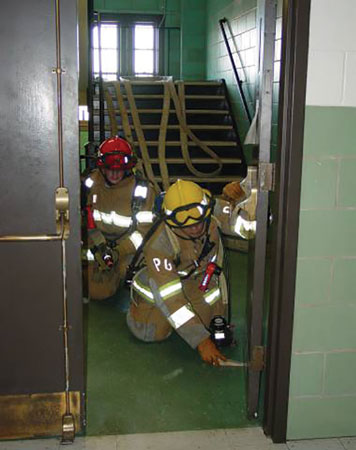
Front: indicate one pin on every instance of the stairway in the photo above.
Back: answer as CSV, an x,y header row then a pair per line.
x,y
207,114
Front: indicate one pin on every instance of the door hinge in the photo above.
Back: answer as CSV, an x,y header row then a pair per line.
x,y
266,176
257,362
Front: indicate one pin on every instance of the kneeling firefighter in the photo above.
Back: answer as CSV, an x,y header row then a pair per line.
x,y
119,212
179,283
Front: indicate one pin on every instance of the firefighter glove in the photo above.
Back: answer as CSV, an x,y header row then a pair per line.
x,y
209,352
233,192
105,256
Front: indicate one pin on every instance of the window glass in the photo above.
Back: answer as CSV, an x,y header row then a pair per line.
x,y
109,60
109,51
144,61
108,36
144,47
144,37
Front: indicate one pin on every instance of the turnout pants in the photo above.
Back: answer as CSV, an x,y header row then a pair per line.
x,y
147,322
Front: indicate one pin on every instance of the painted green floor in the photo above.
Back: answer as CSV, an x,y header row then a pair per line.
x,y
133,387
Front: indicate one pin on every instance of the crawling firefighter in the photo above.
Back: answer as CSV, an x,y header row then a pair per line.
x,y
180,284
119,212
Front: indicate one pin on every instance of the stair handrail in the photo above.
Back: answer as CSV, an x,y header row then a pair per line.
x,y
238,80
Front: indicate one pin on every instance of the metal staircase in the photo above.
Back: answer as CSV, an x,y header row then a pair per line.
x,y
208,124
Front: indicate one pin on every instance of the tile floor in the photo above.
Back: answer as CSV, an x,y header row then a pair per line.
x,y
239,439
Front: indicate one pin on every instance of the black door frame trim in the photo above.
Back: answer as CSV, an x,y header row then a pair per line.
x,y
295,41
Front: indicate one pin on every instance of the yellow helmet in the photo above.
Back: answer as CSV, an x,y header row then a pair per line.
x,y
185,203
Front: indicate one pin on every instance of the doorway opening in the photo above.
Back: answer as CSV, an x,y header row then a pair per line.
x,y
163,386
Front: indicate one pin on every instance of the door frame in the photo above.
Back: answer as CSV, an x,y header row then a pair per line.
x,y
295,42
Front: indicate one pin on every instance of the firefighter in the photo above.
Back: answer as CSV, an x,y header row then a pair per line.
x,y
119,212
181,285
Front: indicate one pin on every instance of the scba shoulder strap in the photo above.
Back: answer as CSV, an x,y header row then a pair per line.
x,y
140,194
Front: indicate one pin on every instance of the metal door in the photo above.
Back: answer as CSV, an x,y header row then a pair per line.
x,y
41,349
266,21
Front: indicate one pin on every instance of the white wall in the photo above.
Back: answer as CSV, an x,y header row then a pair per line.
x,y
332,53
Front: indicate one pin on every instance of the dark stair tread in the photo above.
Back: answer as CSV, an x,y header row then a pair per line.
x,y
215,179
173,127
159,96
197,160
172,111
207,114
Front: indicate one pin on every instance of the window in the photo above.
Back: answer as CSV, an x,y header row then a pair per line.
x,y
125,45
106,51
144,50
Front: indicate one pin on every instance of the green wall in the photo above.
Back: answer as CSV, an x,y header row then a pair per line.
x,y
323,381
193,23
188,56
241,16
83,139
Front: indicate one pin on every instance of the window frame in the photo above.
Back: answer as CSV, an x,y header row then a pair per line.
x,y
118,49
125,41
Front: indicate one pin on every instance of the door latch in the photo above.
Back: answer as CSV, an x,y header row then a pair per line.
x,y
62,211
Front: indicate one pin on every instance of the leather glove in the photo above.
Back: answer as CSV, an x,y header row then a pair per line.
x,y
105,256
233,192
209,353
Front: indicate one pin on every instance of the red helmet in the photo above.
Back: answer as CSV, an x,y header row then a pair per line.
x,y
116,153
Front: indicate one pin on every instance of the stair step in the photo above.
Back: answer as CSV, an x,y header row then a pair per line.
x,y
186,83
155,96
172,127
208,179
192,144
207,114
173,111
197,161
200,83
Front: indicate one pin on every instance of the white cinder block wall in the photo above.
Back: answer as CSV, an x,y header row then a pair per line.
x,y
332,53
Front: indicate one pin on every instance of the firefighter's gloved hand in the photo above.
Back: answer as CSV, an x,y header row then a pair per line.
x,y
105,256
233,192
209,352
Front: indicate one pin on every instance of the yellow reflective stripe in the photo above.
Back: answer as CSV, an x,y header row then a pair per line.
x,y
89,182
242,225
144,217
180,317
182,273
143,290
141,191
97,215
120,221
168,290
112,218
212,296
136,238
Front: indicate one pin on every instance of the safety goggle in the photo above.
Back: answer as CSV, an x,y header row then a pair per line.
x,y
116,160
193,211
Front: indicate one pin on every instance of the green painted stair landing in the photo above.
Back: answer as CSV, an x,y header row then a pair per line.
x,y
134,387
